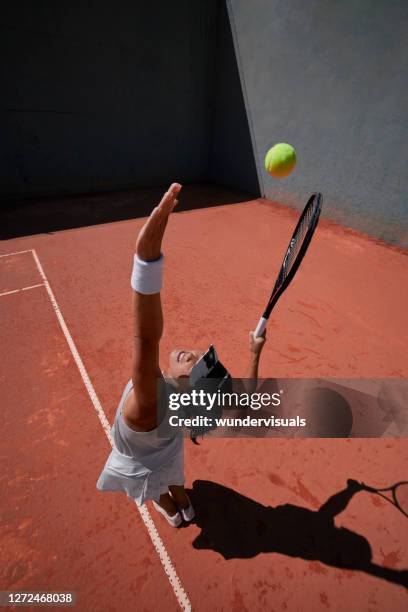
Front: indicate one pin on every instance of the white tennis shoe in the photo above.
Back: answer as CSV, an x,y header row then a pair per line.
x,y
174,520
187,513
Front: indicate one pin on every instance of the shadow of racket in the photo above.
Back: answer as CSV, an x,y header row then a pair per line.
x,y
396,495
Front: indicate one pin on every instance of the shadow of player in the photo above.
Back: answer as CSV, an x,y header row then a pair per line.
x,y
238,527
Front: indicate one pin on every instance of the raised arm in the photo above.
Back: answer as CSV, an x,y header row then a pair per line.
x,y
140,410
255,349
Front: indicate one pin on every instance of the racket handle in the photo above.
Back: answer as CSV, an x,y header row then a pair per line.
x,y
260,328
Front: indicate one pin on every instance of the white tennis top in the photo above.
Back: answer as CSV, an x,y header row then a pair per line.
x,y
141,464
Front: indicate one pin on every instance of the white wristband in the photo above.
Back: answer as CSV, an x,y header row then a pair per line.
x,y
147,276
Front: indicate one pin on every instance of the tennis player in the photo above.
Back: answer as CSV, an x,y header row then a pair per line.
x,y
142,464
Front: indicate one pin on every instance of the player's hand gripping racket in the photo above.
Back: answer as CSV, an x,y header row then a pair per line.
x,y
296,251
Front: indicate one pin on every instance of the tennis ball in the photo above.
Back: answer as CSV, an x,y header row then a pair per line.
x,y
280,160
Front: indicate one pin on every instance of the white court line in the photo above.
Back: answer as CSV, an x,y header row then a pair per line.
x,y
168,566
16,253
32,287
22,289
9,292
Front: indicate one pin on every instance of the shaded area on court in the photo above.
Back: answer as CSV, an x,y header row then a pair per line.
x,y
50,214
238,527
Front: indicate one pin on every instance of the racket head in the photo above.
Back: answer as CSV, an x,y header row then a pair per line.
x,y
398,492
297,248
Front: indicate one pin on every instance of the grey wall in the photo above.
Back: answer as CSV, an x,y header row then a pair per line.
x,y
104,94
330,77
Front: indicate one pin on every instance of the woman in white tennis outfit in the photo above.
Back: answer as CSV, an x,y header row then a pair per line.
x,y
142,464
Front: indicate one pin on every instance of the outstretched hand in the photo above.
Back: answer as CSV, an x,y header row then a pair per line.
x,y
354,485
149,240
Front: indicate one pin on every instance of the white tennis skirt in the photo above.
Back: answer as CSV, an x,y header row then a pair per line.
x,y
141,464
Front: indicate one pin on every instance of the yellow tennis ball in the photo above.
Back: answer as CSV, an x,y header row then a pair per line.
x,y
280,160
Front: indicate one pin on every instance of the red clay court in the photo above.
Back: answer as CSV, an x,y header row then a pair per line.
x,y
66,338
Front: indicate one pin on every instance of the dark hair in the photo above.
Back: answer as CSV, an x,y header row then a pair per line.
x,y
208,385
211,385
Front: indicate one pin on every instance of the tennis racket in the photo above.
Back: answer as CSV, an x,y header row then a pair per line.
x,y
296,251
398,495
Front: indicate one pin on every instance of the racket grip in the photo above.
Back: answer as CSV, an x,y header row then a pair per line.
x,y
260,328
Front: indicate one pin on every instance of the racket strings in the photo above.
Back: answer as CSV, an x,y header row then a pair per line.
x,y
295,252
297,242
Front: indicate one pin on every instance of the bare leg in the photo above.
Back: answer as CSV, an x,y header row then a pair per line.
x,y
179,495
168,504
